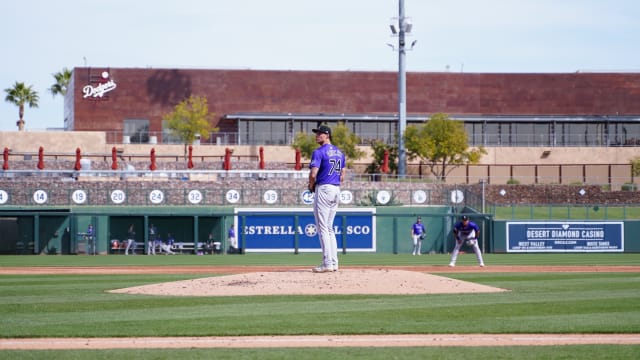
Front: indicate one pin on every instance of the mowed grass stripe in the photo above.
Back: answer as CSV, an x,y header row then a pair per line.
x,y
312,259
555,302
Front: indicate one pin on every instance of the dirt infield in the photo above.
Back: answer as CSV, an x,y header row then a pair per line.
x,y
266,280
305,282
320,341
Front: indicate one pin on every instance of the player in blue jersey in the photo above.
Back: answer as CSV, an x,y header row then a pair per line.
x,y
91,240
327,172
467,232
418,232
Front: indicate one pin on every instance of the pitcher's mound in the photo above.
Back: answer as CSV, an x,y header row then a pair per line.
x,y
305,282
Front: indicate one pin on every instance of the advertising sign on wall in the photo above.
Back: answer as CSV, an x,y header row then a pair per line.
x,y
565,236
276,230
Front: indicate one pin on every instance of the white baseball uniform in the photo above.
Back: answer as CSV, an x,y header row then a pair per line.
x,y
466,231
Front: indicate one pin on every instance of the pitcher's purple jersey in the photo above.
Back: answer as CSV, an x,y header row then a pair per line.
x,y
329,160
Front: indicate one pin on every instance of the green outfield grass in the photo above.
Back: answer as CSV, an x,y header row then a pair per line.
x,y
312,259
78,305
562,212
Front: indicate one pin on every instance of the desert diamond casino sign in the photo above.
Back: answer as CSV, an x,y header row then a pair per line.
x,y
276,230
565,236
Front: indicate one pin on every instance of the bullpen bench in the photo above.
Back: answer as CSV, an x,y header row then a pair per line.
x,y
190,248
118,247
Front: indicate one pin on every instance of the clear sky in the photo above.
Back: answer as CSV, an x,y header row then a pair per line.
x,y
41,37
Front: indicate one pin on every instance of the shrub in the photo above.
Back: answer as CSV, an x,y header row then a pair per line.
x,y
629,187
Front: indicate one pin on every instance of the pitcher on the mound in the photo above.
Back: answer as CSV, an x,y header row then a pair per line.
x,y
327,172
466,232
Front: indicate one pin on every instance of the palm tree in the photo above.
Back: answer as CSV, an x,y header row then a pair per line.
x,y
20,95
63,78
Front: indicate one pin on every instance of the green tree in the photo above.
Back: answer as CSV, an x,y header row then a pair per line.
x,y
63,79
21,95
379,147
442,143
190,119
306,143
341,137
635,168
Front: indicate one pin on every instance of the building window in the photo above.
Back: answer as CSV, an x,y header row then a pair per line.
x,y
474,133
630,134
264,132
542,134
370,131
137,130
492,134
167,135
523,134
485,131
575,134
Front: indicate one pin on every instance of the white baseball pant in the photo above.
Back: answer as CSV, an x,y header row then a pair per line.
x,y
131,244
460,241
417,244
324,210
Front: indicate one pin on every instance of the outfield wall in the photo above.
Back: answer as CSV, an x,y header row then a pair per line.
x,y
373,229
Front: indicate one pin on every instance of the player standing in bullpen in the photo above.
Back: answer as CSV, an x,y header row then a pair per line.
x,y
327,172
467,232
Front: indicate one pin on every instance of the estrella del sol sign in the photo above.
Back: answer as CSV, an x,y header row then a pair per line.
x,y
288,229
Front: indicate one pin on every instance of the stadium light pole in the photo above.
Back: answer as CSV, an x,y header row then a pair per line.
x,y
404,26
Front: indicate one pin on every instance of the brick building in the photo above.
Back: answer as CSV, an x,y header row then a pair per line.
x,y
254,107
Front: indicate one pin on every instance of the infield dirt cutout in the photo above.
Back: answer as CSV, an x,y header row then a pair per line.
x,y
305,282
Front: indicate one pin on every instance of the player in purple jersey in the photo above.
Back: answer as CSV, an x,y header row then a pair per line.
x,y
418,233
467,232
90,236
327,172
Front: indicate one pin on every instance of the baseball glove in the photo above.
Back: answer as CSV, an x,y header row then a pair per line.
x,y
422,237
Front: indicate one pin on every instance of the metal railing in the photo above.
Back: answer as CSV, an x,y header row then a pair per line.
x,y
488,140
604,180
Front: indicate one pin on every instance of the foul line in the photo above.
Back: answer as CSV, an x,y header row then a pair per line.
x,y
320,341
